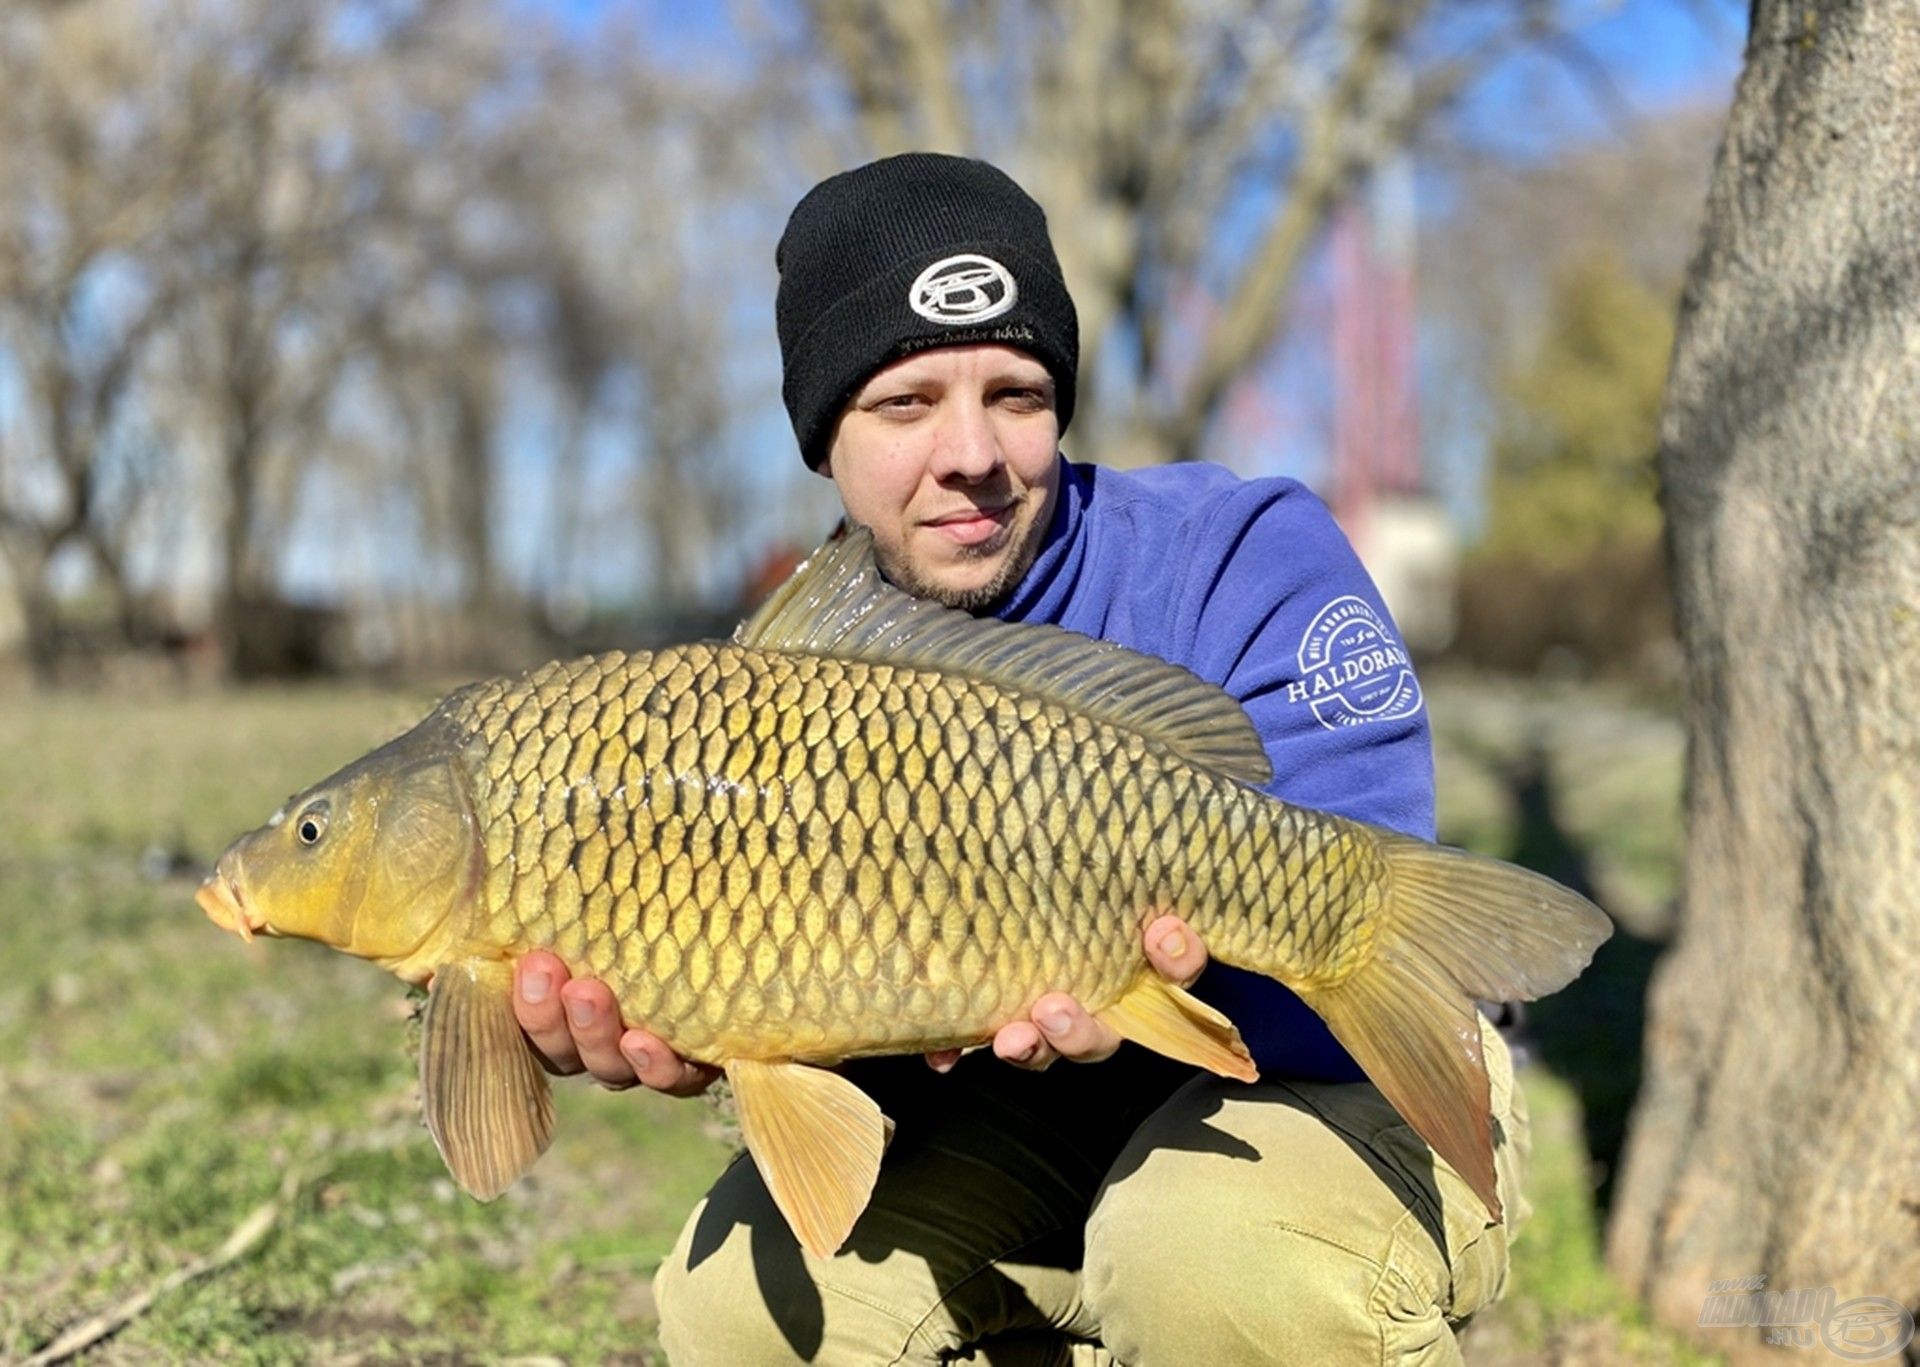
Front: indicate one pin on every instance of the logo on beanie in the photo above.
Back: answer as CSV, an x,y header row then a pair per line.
x,y
963,289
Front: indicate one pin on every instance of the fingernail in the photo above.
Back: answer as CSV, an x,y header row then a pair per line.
x,y
1026,1054
535,986
1173,944
640,1059
1057,1022
581,1012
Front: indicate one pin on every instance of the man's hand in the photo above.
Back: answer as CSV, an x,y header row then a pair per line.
x,y
574,1024
1059,1027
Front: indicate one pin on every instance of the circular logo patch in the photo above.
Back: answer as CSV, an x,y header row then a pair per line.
x,y
963,289
1353,670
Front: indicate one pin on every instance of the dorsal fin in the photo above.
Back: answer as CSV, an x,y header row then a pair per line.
x,y
838,604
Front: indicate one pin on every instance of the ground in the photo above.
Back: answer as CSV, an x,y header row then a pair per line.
x,y
160,1082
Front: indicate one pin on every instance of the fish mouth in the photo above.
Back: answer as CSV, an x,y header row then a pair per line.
x,y
220,898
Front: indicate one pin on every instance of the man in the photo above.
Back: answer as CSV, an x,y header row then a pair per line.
x,y
930,353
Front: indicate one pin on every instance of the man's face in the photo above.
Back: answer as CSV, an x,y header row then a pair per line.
x,y
947,456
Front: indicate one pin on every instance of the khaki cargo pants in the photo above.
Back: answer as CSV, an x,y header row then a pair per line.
x,y
1124,1212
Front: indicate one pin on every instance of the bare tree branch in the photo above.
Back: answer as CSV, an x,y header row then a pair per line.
x,y
1327,160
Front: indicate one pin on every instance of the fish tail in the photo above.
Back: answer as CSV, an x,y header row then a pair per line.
x,y
1456,927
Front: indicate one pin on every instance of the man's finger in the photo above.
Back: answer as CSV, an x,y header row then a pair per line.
x,y
1071,1031
537,980
1021,1044
1175,951
593,1017
655,1064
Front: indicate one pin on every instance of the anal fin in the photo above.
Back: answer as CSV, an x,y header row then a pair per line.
x,y
816,1139
1172,1021
486,1099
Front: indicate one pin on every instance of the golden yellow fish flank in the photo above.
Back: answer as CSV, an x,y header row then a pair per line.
x,y
870,825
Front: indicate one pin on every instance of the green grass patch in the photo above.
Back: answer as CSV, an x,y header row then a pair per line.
x,y
159,1079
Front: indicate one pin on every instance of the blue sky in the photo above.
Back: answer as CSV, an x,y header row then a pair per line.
x,y
1658,53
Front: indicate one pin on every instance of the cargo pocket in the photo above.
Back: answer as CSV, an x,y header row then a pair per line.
x,y
1469,1272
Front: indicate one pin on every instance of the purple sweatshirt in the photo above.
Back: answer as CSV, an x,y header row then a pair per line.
x,y
1251,585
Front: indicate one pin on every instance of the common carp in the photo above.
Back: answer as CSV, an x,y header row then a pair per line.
x,y
869,824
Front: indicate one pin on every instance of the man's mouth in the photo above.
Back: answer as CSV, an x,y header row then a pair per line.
x,y
970,526
221,900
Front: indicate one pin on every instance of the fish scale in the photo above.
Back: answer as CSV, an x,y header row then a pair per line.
x,y
837,833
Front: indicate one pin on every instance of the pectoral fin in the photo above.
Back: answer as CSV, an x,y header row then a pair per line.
x,y
816,1139
486,1100
1172,1021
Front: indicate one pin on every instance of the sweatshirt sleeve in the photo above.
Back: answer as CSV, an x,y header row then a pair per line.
x,y
1276,606
1279,610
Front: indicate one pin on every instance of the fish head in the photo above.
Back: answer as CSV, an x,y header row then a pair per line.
x,y
378,860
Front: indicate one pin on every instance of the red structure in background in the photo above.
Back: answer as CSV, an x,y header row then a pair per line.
x,y
1376,438
1377,485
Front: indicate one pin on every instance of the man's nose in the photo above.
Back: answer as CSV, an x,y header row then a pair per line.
x,y
968,448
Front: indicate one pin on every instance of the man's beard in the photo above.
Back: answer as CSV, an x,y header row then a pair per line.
x,y
974,600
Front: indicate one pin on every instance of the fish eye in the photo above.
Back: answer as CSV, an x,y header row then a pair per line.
x,y
312,825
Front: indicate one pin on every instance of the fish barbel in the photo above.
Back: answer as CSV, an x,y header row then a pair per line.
x,y
867,825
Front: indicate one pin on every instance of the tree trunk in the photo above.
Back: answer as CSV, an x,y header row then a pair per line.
x,y
1778,1133
237,581
471,490
39,614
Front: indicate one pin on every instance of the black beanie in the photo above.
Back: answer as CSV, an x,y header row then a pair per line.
x,y
914,251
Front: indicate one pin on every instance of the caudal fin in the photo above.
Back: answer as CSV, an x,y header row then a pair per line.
x,y
1457,927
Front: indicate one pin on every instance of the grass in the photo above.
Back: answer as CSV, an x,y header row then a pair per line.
x,y
158,1080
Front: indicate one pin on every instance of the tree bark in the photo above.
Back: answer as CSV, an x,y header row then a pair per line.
x,y
1778,1133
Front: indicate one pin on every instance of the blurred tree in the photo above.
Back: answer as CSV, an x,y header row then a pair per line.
x,y
260,241
1573,459
1778,1131
1188,154
383,300
1550,291
635,289
383,279
80,182
537,200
